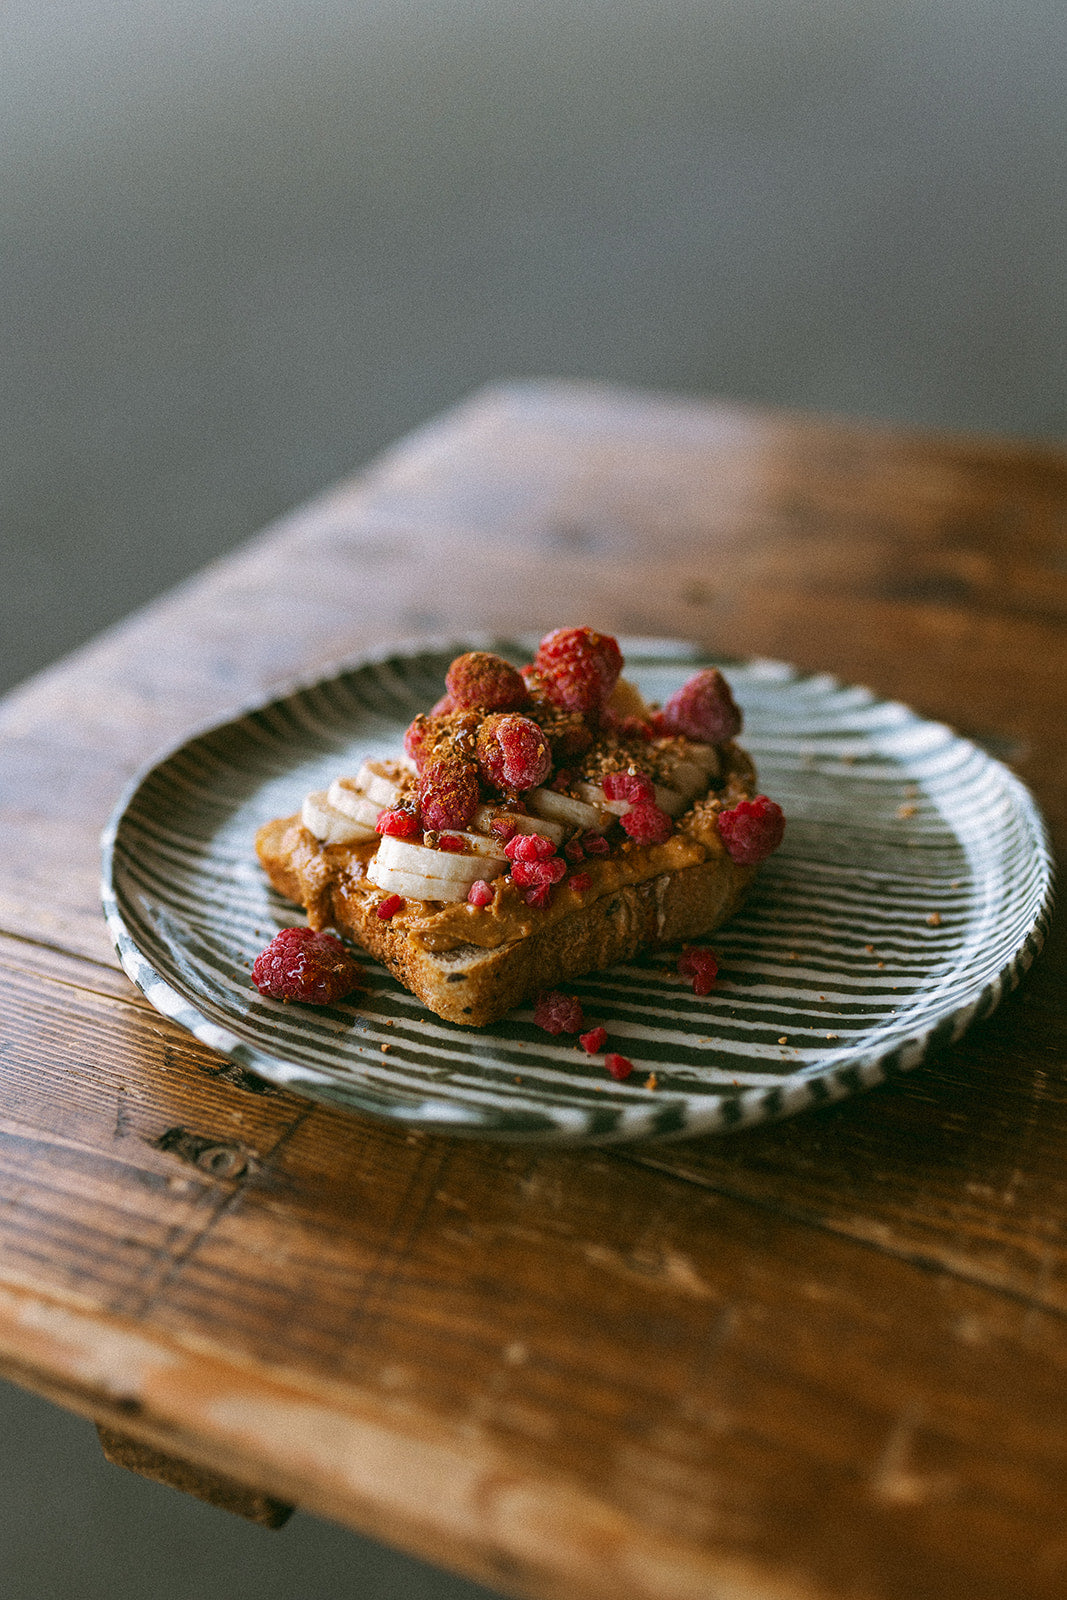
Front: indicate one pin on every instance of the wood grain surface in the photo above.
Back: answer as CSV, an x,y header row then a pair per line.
x,y
824,1360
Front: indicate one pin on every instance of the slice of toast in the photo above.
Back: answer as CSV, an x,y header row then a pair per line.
x,y
471,964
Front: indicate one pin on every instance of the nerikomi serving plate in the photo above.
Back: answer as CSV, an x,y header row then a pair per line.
x,y
911,892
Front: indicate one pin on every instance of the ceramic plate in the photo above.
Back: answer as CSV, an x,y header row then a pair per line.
x,y
911,892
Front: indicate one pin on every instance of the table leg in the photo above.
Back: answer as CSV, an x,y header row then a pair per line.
x,y
123,1451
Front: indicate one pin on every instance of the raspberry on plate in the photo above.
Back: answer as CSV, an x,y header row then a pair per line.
x,y
559,1013
578,668
700,966
300,964
752,829
513,753
485,681
703,709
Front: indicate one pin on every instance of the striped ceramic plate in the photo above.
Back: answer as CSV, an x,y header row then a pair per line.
x,y
911,892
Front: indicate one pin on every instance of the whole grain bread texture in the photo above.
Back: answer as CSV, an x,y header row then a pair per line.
x,y
470,965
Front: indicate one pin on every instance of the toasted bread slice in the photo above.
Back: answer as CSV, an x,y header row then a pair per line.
x,y
472,964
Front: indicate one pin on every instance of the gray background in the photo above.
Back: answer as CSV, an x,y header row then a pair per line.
x,y
242,248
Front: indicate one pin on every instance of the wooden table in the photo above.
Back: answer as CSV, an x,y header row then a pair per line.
x,y
823,1360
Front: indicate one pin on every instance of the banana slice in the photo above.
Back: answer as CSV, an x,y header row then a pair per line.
x,y
670,801
421,861
485,816
345,797
705,756
329,825
572,813
688,778
381,781
417,886
626,700
480,844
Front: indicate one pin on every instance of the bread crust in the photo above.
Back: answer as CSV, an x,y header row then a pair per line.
x,y
473,985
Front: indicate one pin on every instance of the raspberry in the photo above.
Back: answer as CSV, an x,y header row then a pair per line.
x,y
443,707
702,709
448,792
752,829
578,668
701,966
573,851
390,906
513,753
398,824
558,1013
580,882
300,964
503,828
451,842
418,740
626,727
487,682
594,1041
620,1067
534,874
529,847
647,824
539,897
595,844
633,786
479,893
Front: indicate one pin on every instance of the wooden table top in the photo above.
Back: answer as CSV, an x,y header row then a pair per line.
x,y
822,1360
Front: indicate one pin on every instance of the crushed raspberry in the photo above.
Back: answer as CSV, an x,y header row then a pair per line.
x,y
620,1067
534,874
390,906
448,792
300,964
399,824
580,882
647,824
701,966
752,829
636,787
451,842
529,847
539,897
513,753
479,893
503,828
486,682
578,667
594,1041
595,844
558,1013
573,851
703,709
